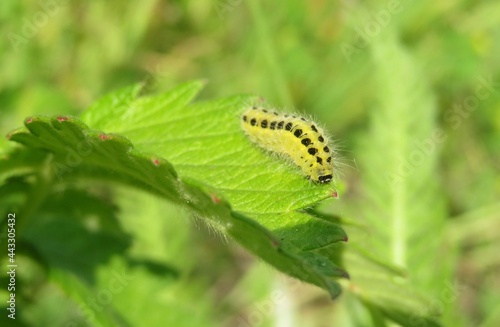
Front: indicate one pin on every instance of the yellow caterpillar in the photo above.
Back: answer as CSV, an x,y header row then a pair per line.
x,y
295,137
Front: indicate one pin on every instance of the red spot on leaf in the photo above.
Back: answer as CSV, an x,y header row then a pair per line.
x,y
335,195
29,120
156,162
103,137
62,118
215,198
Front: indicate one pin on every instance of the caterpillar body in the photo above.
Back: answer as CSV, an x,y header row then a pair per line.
x,y
295,137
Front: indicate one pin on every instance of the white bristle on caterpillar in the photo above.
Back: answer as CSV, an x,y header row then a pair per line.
x,y
294,137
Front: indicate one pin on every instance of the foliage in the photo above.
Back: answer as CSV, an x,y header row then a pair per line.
x,y
103,195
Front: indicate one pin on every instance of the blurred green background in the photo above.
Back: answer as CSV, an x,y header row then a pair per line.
x,y
316,57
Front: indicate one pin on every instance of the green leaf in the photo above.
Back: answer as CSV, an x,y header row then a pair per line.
x,y
127,295
90,238
204,141
89,309
212,169
400,164
403,208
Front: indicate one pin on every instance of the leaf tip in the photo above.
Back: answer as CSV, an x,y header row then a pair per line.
x,y
12,134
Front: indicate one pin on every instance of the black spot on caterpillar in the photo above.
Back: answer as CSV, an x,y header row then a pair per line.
x,y
291,136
